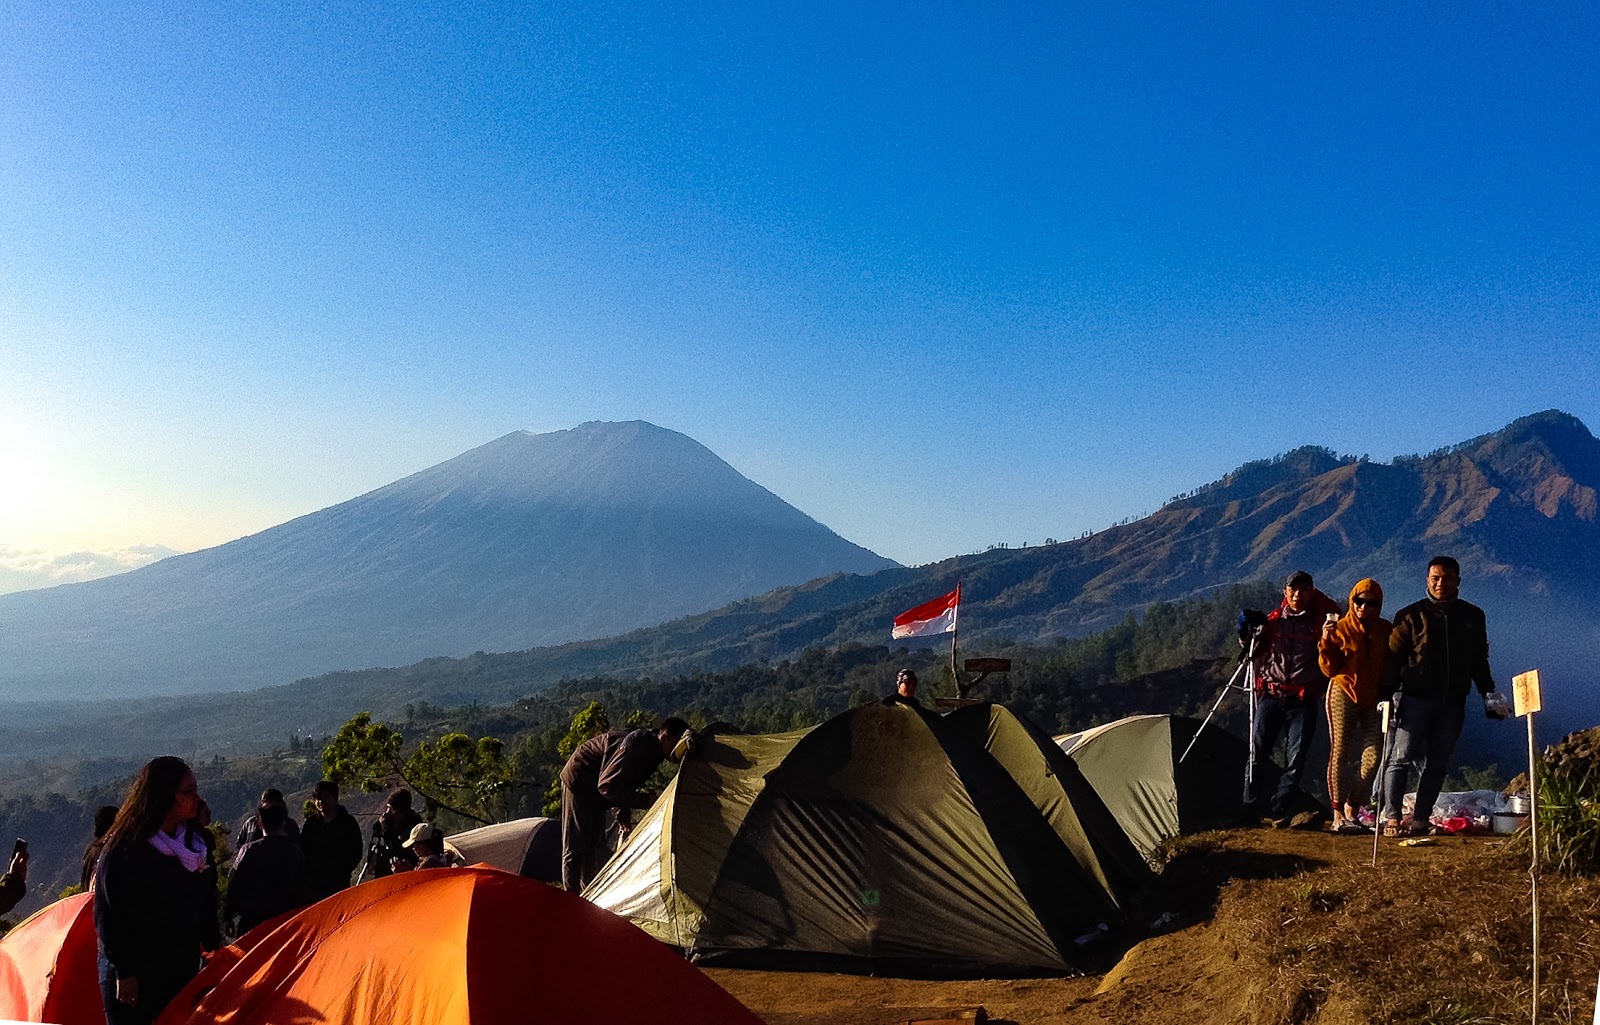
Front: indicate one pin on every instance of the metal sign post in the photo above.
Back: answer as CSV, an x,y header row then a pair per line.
x,y
1525,693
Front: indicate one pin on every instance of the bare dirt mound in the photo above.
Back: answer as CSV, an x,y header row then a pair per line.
x,y
1266,927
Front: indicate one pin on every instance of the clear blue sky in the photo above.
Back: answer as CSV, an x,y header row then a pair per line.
x,y
940,275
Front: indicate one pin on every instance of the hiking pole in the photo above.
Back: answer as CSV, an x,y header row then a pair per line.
x,y
1377,780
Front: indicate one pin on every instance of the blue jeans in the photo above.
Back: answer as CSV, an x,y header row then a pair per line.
x,y
1425,736
1295,718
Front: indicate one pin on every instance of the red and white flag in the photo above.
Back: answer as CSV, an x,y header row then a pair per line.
x,y
934,617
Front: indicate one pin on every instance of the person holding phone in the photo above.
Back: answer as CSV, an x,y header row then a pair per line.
x,y
14,884
1353,651
153,895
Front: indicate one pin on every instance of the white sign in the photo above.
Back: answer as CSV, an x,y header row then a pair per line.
x,y
1525,692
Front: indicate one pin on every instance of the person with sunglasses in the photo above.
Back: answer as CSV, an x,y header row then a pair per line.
x,y
1352,652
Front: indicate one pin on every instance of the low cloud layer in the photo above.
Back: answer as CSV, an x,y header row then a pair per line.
x,y
22,569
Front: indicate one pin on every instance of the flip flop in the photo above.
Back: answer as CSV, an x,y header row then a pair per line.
x,y
1349,828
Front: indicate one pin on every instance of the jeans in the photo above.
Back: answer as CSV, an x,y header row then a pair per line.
x,y
1279,716
1425,736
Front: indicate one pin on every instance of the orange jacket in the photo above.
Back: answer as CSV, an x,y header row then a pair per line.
x,y
1353,655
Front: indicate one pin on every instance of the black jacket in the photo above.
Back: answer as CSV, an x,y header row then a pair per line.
x,y
150,918
269,878
332,851
1439,650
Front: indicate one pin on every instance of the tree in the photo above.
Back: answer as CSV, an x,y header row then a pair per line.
x,y
461,775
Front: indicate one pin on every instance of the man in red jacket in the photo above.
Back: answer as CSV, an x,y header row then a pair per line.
x,y
1290,685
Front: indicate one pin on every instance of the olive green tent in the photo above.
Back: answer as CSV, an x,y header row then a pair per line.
x,y
1133,765
888,838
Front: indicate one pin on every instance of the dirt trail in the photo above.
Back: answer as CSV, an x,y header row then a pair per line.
x,y
1269,926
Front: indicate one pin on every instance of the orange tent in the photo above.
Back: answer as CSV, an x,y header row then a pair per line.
x,y
48,968
466,946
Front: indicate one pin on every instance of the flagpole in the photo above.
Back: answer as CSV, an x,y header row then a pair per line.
x,y
955,673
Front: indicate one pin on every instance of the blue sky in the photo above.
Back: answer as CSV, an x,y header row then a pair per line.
x,y
941,277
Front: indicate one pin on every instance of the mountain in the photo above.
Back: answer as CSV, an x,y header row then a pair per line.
x,y
1517,508
532,539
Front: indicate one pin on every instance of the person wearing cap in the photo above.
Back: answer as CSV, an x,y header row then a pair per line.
x,y
1352,653
605,772
905,689
1290,684
1438,651
426,842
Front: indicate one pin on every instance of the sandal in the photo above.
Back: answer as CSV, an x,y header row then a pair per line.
x,y
1350,827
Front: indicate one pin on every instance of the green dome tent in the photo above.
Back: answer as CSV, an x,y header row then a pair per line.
x,y
888,838
1133,765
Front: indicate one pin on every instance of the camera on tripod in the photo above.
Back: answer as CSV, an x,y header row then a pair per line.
x,y
1250,623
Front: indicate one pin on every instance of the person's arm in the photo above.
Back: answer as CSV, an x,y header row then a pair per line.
x,y
14,884
116,920
624,772
349,841
1332,659
1480,657
1399,653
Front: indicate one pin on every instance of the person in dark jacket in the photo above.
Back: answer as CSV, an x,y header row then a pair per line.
x,y
1438,651
150,895
14,884
605,772
251,829
269,874
331,843
103,817
1290,684
211,924
389,834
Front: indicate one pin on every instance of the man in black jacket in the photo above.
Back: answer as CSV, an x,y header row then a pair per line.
x,y
606,772
330,841
269,874
1438,651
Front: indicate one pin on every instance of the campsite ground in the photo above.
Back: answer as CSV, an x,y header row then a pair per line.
x,y
1266,926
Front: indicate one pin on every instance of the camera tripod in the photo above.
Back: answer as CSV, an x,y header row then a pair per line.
x,y
1243,678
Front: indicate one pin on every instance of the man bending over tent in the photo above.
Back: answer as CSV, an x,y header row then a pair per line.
x,y
606,772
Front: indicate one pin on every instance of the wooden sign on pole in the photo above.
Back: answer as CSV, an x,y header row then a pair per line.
x,y
1525,693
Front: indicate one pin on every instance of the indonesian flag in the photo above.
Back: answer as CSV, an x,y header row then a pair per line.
x,y
934,617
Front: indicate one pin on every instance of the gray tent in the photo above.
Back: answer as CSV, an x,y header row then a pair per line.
x,y
887,838
1133,765
528,847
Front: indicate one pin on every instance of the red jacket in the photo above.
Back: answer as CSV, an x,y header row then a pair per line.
x,y
1286,657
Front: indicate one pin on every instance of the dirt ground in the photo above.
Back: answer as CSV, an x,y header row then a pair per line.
x,y
1265,926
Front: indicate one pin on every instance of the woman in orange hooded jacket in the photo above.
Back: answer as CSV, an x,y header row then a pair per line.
x,y
1351,653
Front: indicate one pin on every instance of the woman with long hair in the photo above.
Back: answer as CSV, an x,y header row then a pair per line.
x,y
152,894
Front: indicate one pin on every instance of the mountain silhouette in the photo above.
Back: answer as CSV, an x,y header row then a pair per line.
x,y
531,539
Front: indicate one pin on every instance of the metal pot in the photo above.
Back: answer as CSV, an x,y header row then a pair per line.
x,y
1519,804
1505,824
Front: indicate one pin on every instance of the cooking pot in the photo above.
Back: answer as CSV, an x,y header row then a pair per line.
x,y
1519,804
1506,824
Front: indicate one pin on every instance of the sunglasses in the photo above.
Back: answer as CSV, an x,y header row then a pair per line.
x,y
1366,601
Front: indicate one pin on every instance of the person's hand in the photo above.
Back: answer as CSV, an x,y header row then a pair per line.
x,y
19,865
128,990
400,865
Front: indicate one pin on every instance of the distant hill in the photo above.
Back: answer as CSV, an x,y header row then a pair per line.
x,y
532,539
